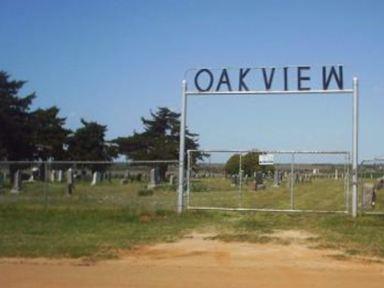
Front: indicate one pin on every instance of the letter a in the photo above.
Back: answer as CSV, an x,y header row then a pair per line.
x,y
224,79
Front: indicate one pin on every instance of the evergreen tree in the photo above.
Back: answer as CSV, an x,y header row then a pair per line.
x,y
16,128
159,140
49,134
88,143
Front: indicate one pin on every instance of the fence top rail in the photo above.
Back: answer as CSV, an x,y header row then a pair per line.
x,y
93,162
268,92
271,151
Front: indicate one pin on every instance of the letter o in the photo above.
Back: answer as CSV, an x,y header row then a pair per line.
x,y
210,80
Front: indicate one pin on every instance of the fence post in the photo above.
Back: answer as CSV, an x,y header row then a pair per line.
x,y
180,194
348,183
355,144
188,177
240,181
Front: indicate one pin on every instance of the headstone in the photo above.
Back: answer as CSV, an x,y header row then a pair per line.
x,y
258,182
154,178
276,179
259,178
70,181
369,195
31,178
60,176
95,178
171,179
53,174
336,174
125,179
16,183
157,176
297,178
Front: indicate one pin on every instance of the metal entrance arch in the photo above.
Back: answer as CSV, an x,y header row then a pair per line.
x,y
355,115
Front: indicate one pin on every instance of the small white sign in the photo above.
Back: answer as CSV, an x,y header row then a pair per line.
x,y
266,159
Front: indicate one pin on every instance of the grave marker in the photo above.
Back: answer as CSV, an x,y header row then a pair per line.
x,y
16,183
70,181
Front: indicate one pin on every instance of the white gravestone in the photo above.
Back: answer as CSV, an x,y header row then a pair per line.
x,y
53,174
16,183
60,176
95,178
276,179
31,178
154,178
171,179
70,181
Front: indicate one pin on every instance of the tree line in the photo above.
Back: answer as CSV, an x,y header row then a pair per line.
x,y
41,134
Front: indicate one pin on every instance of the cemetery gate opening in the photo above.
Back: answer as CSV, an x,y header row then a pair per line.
x,y
276,81
276,181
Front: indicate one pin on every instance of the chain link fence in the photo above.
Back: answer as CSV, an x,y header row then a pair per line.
x,y
147,185
371,192
286,181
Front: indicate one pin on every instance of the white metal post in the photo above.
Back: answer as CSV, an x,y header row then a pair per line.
x,y
189,168
182,147
355,144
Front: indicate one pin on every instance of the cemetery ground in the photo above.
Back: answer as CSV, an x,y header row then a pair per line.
x,y
124,236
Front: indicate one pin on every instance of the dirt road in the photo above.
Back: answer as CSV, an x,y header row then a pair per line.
x,y
196,261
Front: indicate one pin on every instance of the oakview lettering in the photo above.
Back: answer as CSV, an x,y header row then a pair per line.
x,y
269,79
283,80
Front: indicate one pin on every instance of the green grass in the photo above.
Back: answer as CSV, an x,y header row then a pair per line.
x,y
86,233
96,222
319,194
363,235
102,196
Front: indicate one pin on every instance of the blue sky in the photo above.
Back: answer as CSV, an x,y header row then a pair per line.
x,y
113,61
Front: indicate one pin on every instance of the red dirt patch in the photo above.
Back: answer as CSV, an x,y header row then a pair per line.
x,y
197,261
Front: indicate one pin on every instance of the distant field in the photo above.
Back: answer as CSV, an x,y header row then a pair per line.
x,y
319,194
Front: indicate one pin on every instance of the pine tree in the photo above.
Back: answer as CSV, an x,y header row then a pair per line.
x,y
159,140
16,128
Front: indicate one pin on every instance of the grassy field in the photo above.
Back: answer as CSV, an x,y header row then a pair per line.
x,y
97,222
318,194
104,195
